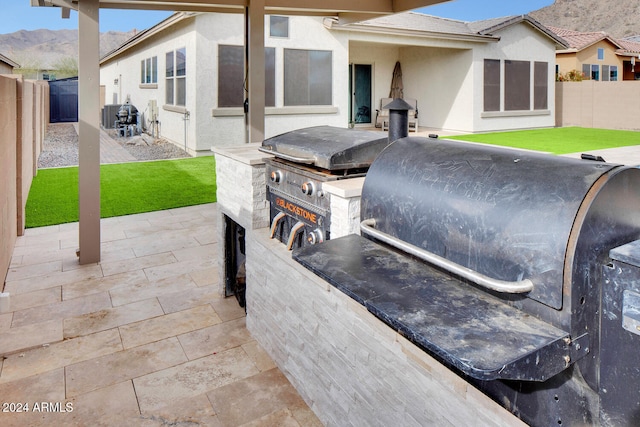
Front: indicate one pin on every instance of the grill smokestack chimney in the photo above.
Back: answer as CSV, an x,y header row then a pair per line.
x,y
398,119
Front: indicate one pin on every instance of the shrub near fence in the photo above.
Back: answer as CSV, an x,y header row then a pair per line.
x,y
595,104
24,114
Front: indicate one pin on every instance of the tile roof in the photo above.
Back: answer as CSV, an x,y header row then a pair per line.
x,y
580,40
629,46
420,22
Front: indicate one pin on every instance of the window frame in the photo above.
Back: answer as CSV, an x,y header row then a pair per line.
x,y
595,72
279,26
515,88
149,71
600,54
232,75
176,77
517,95
308,77
492,87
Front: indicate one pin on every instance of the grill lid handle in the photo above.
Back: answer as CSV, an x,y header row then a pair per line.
x,y
368,227
303,160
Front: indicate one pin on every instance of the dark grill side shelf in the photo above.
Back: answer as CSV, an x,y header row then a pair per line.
x,y
462,326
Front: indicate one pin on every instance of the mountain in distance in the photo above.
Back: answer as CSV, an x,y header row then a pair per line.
x,y
43,48
619,18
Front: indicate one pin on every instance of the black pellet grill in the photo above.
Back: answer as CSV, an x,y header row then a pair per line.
x,y
305,159
519,271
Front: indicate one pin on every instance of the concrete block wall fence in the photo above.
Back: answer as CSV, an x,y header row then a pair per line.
x,y
24,116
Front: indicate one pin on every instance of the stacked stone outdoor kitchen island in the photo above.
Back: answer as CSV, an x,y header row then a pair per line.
x,y
528,299
349,366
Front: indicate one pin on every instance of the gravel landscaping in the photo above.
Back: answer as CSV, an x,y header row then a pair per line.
x,y
60,147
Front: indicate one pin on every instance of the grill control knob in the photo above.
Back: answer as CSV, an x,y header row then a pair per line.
x,y
315,237
308,188
276,176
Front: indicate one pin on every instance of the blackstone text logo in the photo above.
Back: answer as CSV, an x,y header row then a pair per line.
x,y
297,210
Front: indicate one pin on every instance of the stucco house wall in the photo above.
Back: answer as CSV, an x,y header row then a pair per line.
x,y
206,125
443,72
518,42
437,76
443,80
447,76
5,68
121,78
225,126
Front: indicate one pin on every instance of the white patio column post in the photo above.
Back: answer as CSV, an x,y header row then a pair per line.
x,y
88,130
256,70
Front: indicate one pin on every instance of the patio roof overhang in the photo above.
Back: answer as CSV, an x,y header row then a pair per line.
x,y
89,74
345,10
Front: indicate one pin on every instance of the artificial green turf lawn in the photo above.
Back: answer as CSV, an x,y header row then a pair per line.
x,y
558,140
125,188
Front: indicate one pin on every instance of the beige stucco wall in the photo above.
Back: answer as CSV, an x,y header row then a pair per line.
x,y
5,68
208,126
447,76
24,115
517,42
607,105
8,212
568,61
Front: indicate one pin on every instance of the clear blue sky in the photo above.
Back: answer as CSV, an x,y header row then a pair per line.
x,y
475,10
19,15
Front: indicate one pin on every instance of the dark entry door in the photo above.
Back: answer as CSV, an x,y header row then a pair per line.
x,y
63,101
360,85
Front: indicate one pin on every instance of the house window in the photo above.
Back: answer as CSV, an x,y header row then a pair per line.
x,y
491,85
586,71
540,85
278,26
600,54
613,73
517,89
307,77
595,72
149,70
176,82
231,85
514,91
605,73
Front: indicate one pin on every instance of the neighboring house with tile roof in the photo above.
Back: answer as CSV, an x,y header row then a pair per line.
x,y
469,77
598,56
7,65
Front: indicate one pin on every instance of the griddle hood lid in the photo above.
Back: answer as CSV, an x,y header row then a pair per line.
x,y
328,147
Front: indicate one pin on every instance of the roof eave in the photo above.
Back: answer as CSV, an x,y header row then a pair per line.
x,y
146,34
559,41
478,38
9,61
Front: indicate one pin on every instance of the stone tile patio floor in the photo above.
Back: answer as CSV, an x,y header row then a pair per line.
x,y
143,338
